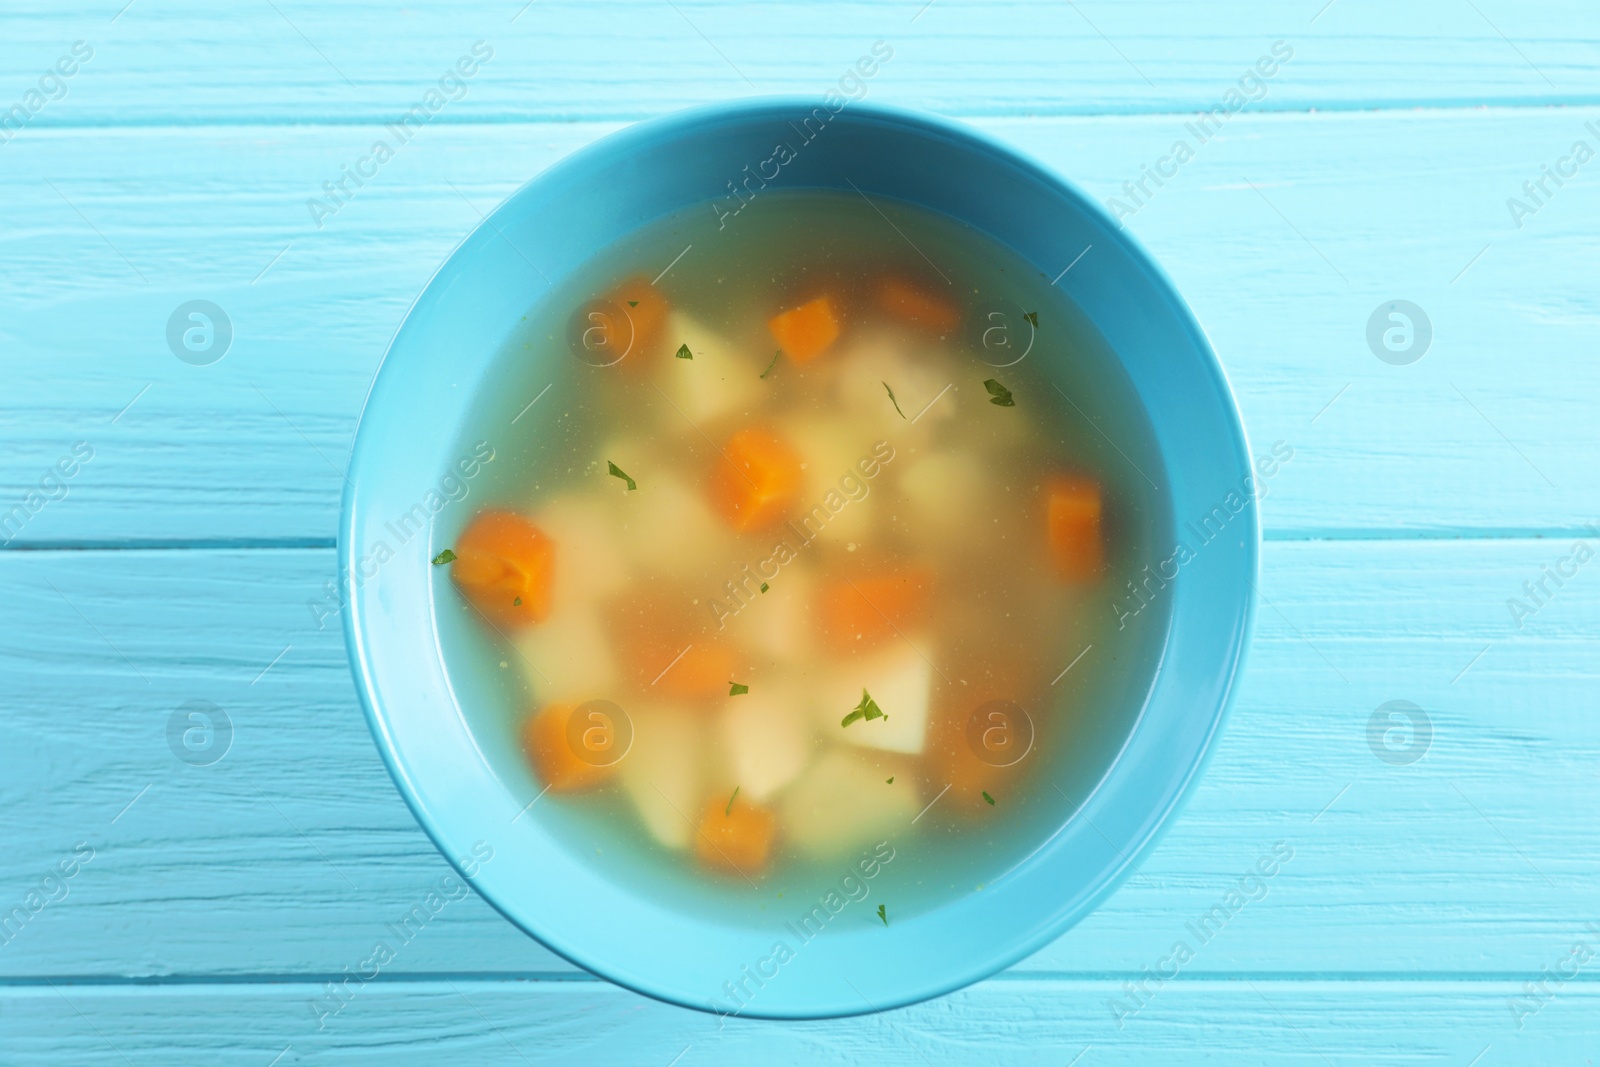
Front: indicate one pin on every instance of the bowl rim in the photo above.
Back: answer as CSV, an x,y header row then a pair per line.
x,y
667,127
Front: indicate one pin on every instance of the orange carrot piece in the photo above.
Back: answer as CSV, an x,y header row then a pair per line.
x,y
505,566
703,671
549,748
956,753
1072,524
759,480
860,613
917,306
735,837
805,332
666,641
647,309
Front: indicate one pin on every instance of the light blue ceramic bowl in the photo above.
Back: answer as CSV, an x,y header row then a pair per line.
x,y
439,361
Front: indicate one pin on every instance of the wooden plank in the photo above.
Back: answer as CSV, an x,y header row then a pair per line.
x,y
292,853
1242,1022
1285,234
296,62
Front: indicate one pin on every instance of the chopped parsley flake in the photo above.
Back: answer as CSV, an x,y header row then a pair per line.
x,y
617,472
1032,317
633,303
889,780
444,557
684,353
735,689
729,809
774,363
883,914
517,603
765,587
893,401
868,709
999,395
989,798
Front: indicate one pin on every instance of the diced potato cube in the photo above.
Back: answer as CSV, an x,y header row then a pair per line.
x,y
590,563
719,380
668,529
950,499
767,735
665,771
569,658
899,681
830,452
918,372
778,624
843,803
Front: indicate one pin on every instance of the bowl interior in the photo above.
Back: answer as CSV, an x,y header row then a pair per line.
x,y
439,361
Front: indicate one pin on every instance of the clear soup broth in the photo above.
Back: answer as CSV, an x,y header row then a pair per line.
x,y
801,567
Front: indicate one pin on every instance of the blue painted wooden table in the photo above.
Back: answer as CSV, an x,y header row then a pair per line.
x,y
168,522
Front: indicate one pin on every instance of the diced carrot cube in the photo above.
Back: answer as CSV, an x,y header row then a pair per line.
x,y
549,746
805,332
856,614
917,306
735,836
505,566
1072,524
703,671
968,758
667,643
647,310
758,481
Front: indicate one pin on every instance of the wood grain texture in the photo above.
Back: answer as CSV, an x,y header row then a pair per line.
x,y
1236,1023
1377,164
291,854
294,61
1284,234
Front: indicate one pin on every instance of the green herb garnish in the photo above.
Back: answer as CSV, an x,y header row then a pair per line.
x,y
765,587
633,303
868,709
684,353
444,557
989,798
883,914
999,395
774,363
735,689
893,401
616,472
889,780
729,809
1033,317
517,602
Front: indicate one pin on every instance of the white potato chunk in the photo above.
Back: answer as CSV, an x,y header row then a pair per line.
x,y
899,680
719,380
778,623
843,803
667,528
590,561
568,657
664,772
831,451
766,734
917,370
949,497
